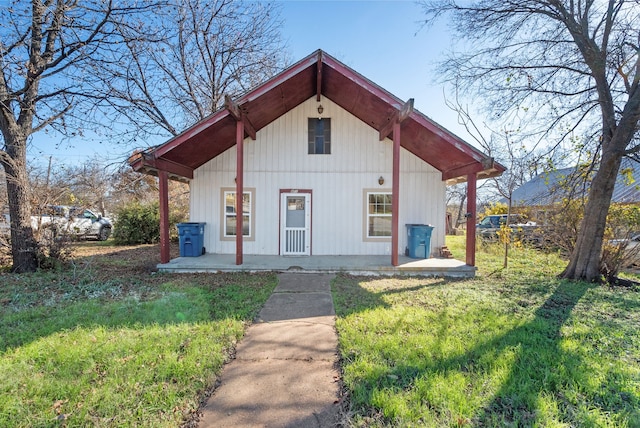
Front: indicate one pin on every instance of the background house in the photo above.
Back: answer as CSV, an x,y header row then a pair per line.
x,y
328,163
538,195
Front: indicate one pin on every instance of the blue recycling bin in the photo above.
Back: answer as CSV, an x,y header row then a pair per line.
x,y
419,241
191,238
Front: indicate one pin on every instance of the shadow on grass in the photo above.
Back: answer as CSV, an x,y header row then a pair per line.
x,y
351,300
127,302
540,366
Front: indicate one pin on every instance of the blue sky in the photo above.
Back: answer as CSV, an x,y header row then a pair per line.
x,y
382,40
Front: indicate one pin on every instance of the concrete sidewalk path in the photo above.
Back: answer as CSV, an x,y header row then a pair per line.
x,y
284,373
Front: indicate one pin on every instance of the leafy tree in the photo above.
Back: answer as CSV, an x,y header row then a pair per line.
x,y
574,65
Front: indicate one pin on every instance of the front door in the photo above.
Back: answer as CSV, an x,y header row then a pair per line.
x,y
295,227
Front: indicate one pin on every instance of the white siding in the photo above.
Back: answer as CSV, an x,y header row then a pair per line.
x,y
278,159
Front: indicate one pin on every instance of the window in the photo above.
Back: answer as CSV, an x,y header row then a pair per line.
x,y
229,215
319,136
378,213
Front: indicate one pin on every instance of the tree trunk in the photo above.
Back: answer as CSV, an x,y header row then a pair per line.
x,y
23,244
585,258
508,238
463,201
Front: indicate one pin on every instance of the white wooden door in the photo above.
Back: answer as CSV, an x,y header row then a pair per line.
x,y
295,227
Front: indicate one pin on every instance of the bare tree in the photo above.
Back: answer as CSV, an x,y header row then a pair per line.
x,y
508,147
575,65
128,185
205,49
68,65
89,184
456,197
47,52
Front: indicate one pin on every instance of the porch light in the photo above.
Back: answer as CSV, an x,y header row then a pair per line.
x,y
381,180
320,109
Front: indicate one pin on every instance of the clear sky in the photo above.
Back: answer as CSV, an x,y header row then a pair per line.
x,y
382,40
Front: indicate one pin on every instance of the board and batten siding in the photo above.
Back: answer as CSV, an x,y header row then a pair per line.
x,y
278,159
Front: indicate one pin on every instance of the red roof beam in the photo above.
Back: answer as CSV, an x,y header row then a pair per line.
x,y
238,114
147,160
472,168
192,131
319,77
397,117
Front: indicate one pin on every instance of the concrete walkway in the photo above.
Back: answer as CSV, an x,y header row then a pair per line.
x,y
284,373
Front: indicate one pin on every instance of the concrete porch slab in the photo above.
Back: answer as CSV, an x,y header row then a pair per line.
x,y
357,265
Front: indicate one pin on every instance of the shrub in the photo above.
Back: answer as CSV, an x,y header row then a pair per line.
x,y
140,223
495,208
623,221
53,248
137,224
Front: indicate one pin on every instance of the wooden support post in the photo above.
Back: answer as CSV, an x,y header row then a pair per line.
x,y
163,178
471,219
239,189
395,194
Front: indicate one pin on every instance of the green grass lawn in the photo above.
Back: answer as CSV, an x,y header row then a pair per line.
x,y
512,347
107,343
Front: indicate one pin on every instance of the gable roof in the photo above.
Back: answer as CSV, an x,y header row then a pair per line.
x,y
318,75
547,188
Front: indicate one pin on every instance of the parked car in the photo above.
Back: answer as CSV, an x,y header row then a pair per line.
x,y
76,221
494,221
525,230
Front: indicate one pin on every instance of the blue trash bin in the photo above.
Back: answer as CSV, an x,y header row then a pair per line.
x,y
419,241
191,238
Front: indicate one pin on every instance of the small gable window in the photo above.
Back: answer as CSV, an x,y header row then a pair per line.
x,y
319,136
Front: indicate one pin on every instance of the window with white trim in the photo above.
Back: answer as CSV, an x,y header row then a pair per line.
x,y
378,214
229,220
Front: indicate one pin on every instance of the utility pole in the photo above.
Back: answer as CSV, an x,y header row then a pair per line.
x,y
48,175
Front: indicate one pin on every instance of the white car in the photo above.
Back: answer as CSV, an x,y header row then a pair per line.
x,y
76,221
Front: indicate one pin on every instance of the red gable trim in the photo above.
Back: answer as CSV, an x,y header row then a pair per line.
x,y
320,74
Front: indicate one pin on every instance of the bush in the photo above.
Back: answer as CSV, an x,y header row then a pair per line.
x,y
137,224
495,208
140,223
53,248
623,220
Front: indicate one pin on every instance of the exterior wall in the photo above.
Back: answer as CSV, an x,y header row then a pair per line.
x,y
278,159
